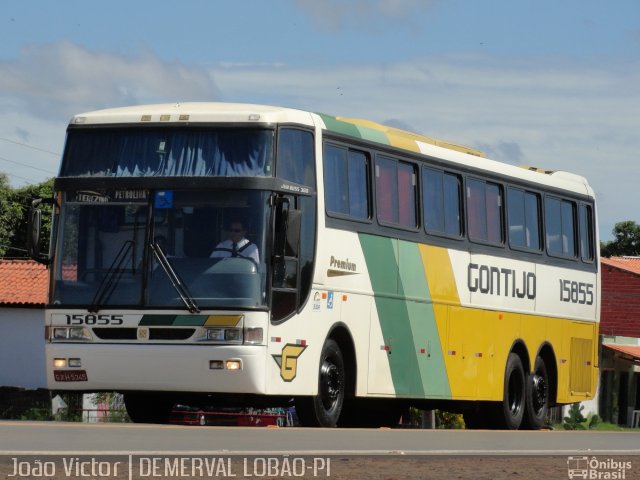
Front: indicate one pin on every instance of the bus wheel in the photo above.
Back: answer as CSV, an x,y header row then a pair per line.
x,y
513,402
323,409
537,404
148,408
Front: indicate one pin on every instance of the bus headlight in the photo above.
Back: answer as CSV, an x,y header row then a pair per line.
x,y
81,334
224,335
233,334
215,334
60,333
59,362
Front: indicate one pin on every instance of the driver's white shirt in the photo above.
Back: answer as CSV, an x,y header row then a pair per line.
x,y
227,245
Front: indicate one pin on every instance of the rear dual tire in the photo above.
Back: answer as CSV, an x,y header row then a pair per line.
x,y
525,400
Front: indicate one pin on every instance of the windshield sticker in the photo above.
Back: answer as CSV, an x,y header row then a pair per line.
x,y
164,199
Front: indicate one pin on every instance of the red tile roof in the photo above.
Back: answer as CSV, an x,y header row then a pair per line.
x,y
23,282
632,352
630,264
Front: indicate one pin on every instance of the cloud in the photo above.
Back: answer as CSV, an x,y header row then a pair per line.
x,y
23,134
335,15
552,114
504,151
396,123
60,79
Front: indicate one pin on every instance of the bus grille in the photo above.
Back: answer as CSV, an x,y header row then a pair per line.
x,y
154,333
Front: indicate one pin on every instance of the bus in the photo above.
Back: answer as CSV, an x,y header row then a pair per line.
x,y
232,254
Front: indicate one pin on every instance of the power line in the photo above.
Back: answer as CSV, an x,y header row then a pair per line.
x,y
28,180
30,146
28,166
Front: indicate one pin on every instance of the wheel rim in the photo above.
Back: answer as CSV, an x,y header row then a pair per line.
x,y
539,393
515,393
331,384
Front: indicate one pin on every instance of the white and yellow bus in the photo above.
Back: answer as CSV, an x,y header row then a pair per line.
x,y
380,269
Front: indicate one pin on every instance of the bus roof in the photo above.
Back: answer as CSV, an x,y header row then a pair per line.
x,y
218,112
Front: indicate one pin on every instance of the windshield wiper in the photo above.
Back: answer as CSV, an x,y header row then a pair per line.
x,y
186,297
113,276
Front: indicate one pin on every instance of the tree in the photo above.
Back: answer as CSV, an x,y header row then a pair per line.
x,y
14,207
626,240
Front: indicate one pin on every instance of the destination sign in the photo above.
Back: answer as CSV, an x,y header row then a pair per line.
x,y
109,196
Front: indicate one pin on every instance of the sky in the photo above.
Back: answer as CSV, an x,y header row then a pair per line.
x,y
550,83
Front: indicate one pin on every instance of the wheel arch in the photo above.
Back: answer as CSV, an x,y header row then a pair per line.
x,y
519,347
341,334
548,355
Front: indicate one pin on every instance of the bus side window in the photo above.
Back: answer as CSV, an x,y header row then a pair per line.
x,y
523,219
560,226
484,211
441,202
346,179
396,192
586,233
295,156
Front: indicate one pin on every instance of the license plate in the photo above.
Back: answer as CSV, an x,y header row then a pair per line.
x,y
70,376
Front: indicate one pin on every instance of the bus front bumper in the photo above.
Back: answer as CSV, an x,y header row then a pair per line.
x,y
187,368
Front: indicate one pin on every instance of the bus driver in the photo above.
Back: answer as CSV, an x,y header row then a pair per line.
x,y
237,245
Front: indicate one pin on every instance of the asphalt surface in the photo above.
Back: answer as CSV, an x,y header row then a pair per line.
x,y
74,438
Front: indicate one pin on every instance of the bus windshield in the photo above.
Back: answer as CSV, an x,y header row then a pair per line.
x,y
163,152
173,249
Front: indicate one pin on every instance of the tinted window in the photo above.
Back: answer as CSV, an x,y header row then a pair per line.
x,y
586,233
484,209
523,219
560,226
441,202
346,175
396,192
164,152
295,156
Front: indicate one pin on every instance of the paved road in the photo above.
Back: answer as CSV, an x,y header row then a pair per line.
x,y
74,438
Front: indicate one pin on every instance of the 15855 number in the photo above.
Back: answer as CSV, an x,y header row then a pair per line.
x,y
576,292
91,319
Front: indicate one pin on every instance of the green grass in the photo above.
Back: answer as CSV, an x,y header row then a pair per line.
x,y
601,427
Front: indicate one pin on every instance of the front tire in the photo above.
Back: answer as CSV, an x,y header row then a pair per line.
x,y
537,404
323,409
512,408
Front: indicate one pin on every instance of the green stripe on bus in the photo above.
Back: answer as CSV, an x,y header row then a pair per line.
x,y
406,316
190,320
373,135
382,262
425,336
340,127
